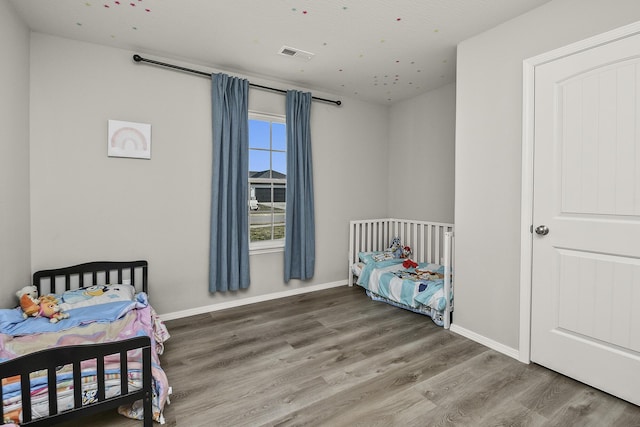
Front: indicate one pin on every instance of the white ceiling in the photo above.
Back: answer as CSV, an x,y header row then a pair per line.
x,y
381,51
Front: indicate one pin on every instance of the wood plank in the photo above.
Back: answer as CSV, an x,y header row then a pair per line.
x,y
334,357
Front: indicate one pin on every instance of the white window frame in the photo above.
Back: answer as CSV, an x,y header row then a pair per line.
x,y
273,245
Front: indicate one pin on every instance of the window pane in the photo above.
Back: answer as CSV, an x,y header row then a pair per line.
x,y
279,210
279,136
279,162
259,162
259,134
267,161
261,219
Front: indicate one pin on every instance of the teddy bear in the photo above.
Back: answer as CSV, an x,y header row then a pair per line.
x,y
51,309
28,301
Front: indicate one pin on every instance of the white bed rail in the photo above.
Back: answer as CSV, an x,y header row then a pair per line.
x,y
429,242
448,277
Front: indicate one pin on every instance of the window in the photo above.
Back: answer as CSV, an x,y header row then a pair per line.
x,y
267,180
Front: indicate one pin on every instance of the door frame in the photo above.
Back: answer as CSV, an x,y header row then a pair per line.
x,y
528,146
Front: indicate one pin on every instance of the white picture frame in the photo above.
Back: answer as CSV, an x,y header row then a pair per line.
x,y
129,139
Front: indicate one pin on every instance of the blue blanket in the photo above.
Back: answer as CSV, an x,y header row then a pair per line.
x,y
390,280
13,323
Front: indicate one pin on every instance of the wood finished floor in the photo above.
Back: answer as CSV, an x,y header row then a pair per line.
x,y
336,358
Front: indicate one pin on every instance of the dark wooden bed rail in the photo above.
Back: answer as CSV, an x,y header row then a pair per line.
x,y
89,274
50,359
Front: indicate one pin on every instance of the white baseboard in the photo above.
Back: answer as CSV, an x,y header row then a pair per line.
x,y
250,300
494,345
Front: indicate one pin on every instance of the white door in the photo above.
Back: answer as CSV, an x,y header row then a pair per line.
x,y
586,271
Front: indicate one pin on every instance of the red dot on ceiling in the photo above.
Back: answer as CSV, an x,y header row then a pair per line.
x,y
304,12
106,5
116,2
132,4
398,19
148,10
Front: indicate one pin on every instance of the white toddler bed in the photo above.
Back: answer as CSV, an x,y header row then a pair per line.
x,y
425,288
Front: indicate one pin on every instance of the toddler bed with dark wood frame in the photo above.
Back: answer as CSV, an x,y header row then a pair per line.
x,y
68,278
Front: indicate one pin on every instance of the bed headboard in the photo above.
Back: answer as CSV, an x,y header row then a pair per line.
x,y
63,279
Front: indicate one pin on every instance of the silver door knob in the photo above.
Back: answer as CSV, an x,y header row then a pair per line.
x,y
542,230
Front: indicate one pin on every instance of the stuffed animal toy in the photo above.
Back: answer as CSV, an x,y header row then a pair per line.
x,y
395,248
48,298
408,263
406,252
395,244
28,301
52,310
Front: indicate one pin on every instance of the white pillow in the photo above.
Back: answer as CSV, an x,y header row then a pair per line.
x,y
95,295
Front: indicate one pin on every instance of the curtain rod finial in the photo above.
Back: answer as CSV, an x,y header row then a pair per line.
x,y
137,58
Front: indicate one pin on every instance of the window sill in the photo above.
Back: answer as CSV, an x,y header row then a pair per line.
x,y
266,247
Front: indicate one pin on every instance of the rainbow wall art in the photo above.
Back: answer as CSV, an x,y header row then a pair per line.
x,y
129,139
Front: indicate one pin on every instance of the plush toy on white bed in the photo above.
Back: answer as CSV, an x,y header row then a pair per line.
x,y
29,303
406,252
395,248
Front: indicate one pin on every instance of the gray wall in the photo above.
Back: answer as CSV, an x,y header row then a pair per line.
x,y
488,153
15,266
421,156
86,206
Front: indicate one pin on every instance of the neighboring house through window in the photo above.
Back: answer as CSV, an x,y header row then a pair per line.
x,y
267,181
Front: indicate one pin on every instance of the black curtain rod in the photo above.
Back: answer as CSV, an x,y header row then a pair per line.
x,y
139,58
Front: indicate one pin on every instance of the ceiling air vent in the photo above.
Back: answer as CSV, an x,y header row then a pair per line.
x,y
296,53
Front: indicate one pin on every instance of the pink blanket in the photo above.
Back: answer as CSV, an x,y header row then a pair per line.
x,y
139,321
